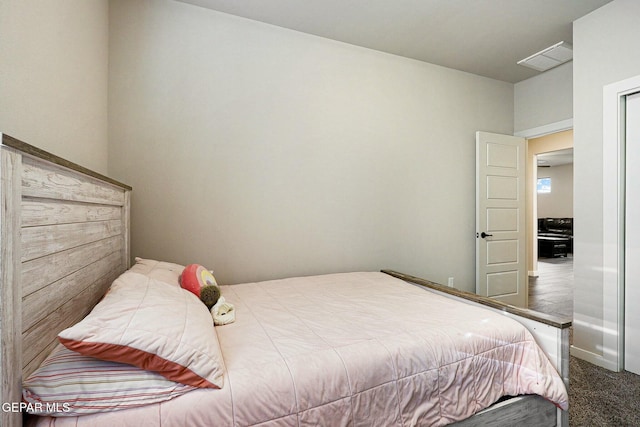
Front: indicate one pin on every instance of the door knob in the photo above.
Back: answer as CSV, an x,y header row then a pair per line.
x,y
483,235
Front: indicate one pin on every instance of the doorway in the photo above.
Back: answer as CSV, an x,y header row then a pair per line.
x,y
550,213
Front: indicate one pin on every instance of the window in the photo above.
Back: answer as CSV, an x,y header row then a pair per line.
x,y
544,185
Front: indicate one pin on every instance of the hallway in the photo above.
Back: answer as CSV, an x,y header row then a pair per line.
x,y
552,291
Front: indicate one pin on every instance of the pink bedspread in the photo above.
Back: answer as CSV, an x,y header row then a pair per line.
x,y
354,349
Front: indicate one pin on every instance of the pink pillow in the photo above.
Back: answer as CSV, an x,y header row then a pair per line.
x,y
152,325
195,277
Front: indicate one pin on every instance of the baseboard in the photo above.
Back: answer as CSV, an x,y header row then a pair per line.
x,y
596,359
534,273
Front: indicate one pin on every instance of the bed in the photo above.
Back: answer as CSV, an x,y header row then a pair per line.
x,y
54,210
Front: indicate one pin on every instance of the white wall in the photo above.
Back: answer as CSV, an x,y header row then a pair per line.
x,y
53,77
605,51
558,203
263,152
544,99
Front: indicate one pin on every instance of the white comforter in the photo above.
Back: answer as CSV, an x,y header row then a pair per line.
x,y
354,349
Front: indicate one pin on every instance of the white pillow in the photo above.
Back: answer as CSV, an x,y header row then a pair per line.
x,y
164,271
152,325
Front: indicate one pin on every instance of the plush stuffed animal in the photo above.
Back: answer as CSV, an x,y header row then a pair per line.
x,y
223,313
200,281
209,295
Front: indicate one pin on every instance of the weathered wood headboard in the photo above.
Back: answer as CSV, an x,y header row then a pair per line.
x,y
64,232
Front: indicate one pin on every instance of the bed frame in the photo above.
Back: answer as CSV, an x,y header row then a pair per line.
x,y
552,335
64,232
65,238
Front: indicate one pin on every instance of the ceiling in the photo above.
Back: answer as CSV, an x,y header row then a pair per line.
x,y
556,158
484,37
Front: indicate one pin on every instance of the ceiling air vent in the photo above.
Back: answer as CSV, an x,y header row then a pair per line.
x,y
548,58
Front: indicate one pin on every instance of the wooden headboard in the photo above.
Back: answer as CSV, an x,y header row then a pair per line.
x,y
64,232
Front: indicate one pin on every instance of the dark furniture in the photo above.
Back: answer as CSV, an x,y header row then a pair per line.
x,y
549,247
555,228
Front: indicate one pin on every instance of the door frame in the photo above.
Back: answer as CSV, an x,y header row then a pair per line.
x,y
532,248
613,208
546,129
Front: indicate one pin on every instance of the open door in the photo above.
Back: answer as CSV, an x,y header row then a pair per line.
x,y
500,218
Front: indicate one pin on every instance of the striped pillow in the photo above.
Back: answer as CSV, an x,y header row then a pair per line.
x,y
70,384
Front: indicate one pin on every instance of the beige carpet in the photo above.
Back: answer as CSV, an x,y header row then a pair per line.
x,y
598,397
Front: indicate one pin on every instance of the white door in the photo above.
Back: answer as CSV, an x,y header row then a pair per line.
x,y
632,237
500,218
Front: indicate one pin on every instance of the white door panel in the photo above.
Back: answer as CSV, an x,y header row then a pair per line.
x,y
502,188
632,238
501,155
502,284
502,219
501,252
500,215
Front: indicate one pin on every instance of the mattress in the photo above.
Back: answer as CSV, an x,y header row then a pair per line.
x,y
353,349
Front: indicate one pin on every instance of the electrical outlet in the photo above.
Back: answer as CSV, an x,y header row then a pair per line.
x,y
450,282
